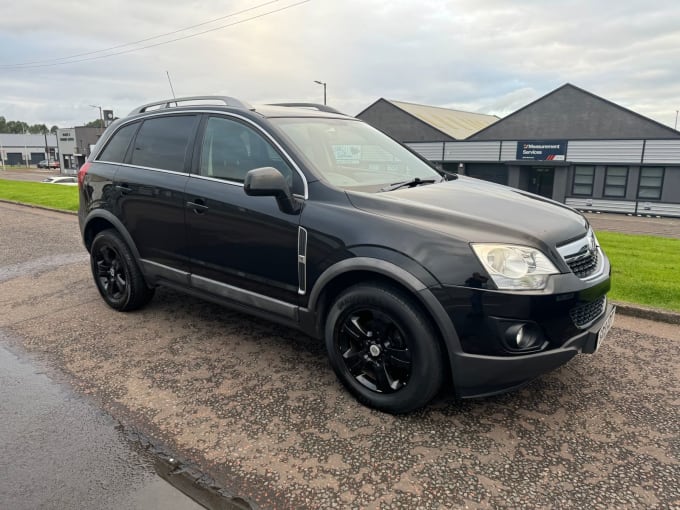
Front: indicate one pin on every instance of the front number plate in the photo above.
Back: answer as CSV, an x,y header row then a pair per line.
x,y
606,326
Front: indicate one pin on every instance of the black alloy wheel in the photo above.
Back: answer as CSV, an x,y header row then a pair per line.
x,y
374,350
111,272
115,271
383,348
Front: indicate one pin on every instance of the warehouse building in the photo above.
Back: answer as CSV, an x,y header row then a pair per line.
x,y
25,150
572,146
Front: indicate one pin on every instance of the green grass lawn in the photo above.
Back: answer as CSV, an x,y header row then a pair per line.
x,y
48,195
645,269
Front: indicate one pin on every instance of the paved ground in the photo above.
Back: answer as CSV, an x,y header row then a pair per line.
x,y
257,406
666,227
32,174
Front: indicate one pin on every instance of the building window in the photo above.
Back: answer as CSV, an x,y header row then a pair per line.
x,y
583,180
651,181
615,181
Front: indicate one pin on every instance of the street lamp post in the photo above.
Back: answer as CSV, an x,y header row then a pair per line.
x,y
324,89
101,115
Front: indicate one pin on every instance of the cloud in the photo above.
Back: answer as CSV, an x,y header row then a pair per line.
x,y
491,57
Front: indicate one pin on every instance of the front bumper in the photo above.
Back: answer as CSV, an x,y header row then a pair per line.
x,y
478,375
485,363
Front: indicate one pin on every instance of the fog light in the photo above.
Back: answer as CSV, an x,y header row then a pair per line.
x,y
522,336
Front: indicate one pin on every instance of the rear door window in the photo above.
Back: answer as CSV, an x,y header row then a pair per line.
x,y
164,142
118,145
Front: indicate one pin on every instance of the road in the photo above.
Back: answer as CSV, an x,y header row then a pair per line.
x,y
257,407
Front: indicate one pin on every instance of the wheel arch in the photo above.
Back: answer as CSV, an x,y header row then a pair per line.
x,y
100,220
348,272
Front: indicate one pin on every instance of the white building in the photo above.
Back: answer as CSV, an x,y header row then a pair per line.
x,y
25,150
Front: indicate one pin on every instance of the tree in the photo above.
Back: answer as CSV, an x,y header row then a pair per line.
x,y
95,123
20,127
38,129
16,127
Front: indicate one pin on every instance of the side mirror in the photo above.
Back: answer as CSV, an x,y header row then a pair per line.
x,y
269,182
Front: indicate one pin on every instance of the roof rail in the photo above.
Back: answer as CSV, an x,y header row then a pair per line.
x,y
320,107
174,102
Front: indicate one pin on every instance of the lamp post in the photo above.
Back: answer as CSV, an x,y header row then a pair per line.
x,y
101,115
324,89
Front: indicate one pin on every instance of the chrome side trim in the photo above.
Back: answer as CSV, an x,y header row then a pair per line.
x,y
245,297
287,157
302,261
185,174
231,183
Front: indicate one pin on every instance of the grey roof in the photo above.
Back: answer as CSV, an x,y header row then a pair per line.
x,y
570,112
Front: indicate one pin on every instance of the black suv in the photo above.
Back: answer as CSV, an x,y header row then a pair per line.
x,y
314,219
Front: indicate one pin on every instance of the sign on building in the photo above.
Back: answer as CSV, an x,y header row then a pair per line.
x,y
542,150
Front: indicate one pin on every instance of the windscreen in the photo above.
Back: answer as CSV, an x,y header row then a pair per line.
x,y
352,155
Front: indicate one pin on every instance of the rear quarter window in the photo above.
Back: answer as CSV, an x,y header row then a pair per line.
x,y
163,142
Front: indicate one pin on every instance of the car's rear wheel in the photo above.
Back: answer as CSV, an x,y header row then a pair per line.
x,y
383,348
118,278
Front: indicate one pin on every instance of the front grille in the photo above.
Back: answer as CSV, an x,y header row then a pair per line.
x,y
584,263
584,315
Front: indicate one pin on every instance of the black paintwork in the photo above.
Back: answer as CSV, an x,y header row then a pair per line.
x,y
245,249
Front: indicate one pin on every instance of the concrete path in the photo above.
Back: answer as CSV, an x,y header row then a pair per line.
x,y
665,227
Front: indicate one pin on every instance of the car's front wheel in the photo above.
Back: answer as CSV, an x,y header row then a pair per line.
x,y
383,348
118,278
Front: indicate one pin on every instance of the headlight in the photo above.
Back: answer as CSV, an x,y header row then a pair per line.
x,y
515,267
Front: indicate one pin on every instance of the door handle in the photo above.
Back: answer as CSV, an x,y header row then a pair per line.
x,y
198,205
123,188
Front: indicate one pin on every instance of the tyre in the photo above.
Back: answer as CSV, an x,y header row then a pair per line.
x,y
116,273
383,349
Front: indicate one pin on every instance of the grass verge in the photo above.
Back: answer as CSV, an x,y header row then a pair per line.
x,y
37,193
645,269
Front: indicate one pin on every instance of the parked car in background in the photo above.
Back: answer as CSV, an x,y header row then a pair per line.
x,y
48,164
316,220
67,181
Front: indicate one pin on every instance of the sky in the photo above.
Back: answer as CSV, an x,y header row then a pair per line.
x,y
486,56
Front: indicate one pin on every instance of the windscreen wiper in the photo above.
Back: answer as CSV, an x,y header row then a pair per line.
x,y
416,181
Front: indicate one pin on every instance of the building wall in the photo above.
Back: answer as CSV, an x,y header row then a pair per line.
x,y
670,191
66,140
400,125
74,146
17,149
485,161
